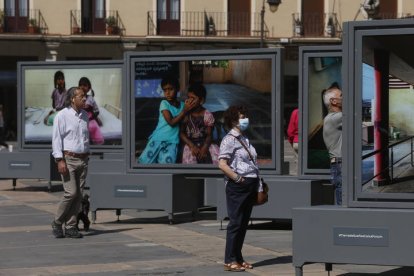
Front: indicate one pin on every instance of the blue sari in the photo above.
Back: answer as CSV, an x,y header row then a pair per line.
x,y
162,146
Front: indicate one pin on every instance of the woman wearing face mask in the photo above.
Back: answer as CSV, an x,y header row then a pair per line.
x,y
237,160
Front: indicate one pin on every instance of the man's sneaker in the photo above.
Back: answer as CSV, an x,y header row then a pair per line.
x,y
57,230
72,232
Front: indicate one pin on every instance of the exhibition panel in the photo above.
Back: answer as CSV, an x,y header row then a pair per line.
x,y
378,102
249,77
41,96
372,226
320,67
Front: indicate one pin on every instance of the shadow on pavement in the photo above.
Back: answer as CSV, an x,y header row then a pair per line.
x,y
271,225
38,188
274,261
95,232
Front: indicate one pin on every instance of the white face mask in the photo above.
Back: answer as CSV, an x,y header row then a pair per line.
x,y
243,124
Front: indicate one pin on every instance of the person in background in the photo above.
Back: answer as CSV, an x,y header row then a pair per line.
x,y
2,129
93,111
162,146
196,130
293,131
332,135
70,144
58,97
238,161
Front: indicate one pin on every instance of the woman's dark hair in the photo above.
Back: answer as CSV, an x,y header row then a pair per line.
x,y
85,81
198,89
58,75
231,115
171,80
70,95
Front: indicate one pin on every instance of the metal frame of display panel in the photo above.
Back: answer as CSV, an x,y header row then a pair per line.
x,y
305,54
352,102
274,55
66,65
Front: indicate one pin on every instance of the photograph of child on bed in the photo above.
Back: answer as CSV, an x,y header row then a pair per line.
x,y
196,130
58,97
91,107
163,143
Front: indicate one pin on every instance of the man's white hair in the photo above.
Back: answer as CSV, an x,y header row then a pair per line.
x,y
328,95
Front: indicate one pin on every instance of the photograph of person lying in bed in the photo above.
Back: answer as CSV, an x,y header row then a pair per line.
x,y
36,95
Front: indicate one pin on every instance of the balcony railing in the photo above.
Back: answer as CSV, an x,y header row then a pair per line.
x,y
106,22
198,24
316,25
23,21
1,21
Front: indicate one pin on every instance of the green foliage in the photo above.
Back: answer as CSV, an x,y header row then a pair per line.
x,y
32,22
111,21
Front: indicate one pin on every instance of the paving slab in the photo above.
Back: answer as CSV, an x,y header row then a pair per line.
x,y
141,242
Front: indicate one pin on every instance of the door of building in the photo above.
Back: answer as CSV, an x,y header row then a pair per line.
x,y
313,17
16,15
388,9
168,17
93,16
239,17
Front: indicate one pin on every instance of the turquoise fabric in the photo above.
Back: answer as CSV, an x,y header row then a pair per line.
x,y
163,143
163,131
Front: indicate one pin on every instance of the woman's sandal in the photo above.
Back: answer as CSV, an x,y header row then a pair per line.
x,y
234,267
246,265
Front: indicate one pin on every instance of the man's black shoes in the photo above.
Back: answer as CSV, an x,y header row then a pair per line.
x,y
72,232
57,230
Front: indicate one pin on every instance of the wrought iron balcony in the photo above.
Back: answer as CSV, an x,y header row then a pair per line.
x,y
23,21
104,22
326,25
198,24
316,25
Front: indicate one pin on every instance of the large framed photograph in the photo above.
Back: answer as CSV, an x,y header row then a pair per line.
x,y
321,66
239,77
380,134
42,91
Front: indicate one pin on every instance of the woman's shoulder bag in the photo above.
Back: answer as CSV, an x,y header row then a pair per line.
x,y
263,192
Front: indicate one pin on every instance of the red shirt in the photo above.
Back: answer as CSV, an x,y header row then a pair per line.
x,y
293,130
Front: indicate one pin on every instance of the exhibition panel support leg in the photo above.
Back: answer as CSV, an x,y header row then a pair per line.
x,y
298,271
118,214
93,217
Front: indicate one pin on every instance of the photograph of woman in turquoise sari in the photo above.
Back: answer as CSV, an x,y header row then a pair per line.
x,y
163,143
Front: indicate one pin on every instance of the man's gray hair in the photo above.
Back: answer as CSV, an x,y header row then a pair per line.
x,y
70,95
328,95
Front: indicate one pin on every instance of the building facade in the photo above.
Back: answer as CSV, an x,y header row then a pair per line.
x,y
44,30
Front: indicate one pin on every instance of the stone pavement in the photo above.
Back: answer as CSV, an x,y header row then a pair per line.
x,y
141,243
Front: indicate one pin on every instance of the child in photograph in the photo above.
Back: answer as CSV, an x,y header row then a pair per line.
x,y
91,107
58,97
163,143
196,130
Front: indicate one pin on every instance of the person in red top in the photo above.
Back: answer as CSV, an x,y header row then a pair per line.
x,y
293,130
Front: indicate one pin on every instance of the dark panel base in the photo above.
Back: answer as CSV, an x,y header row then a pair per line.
x,y
172,193
333,234
285,193
25,165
